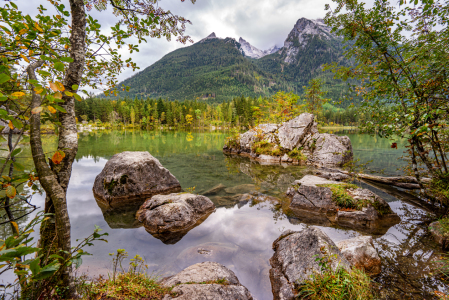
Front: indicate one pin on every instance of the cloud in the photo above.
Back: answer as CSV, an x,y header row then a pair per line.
x,y
263,23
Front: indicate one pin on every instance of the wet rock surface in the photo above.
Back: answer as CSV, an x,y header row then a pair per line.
x,y
207,280
439,235
312,202
170,217
360,253
133,176
301,134
294,259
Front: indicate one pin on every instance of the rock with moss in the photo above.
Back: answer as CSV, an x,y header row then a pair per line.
x,y
440,233
131,177
170,217
360,252
337,203
207,280
295,141
297,256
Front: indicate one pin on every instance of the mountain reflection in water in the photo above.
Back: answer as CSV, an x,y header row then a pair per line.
x,y
238,235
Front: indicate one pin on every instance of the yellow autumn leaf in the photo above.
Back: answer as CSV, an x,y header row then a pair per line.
x,y
38,27
51,109
58,95
22,31
60,86
53,86
38,90
18,94
10,191
68,93
10,125
15,226
24,58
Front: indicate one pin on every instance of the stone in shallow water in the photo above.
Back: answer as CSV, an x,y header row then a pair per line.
x,y
215,190
170,217
439,235
212,251
310,201
207,280
360,252
294,259
133,176
241,189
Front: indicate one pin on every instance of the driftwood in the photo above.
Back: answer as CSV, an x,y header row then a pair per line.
x,y
405,182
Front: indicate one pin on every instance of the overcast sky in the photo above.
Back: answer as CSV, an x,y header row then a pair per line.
x,y
263,23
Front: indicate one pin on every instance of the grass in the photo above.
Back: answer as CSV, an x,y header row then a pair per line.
x,y
336,285
127,286
131,284
266,148
297,154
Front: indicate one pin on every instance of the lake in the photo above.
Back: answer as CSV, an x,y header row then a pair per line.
x,y
240,236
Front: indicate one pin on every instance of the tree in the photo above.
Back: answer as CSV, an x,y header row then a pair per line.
x,y
401,59
314,96
59,59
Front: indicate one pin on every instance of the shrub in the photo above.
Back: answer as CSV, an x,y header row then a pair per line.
x,y
297,154
266,148
339,284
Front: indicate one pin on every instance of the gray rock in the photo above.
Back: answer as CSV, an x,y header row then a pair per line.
x,y
212,251
133,176
439,235
309,201
332,175
207,280
255,198
360,252
170,217
331,150
215,190
241,189
294,260
291,133
299,133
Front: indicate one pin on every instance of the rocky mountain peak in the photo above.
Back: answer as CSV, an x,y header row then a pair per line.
x,y
249,50
303,29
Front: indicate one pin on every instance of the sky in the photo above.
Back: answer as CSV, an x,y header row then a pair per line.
x,y
263,23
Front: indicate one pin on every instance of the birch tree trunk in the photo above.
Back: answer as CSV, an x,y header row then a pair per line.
x,y
55,232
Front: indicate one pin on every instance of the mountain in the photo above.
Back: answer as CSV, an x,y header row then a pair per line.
x,y
251,51
219,69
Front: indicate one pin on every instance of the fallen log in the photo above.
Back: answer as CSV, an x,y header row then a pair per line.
x,y
405,182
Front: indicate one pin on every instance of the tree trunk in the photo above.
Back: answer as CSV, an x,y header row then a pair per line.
x,y
55,233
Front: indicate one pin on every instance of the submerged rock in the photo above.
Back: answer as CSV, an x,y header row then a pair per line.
x,y
295,260
255,198
133,176
215,190
207,280
439,235
212,251
170,217
360,252
294,141
367,212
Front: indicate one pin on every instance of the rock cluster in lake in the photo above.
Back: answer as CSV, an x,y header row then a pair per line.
x,y
133,176
207,280
298,255
294,141
170,217
439,235
314,202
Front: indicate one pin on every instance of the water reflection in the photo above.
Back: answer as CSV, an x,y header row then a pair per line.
x,y
237,235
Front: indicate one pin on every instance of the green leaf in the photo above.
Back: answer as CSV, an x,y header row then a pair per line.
x,y
16,151
66,59
4,78
34,266
77,97
59,66
17,123
75,87
19,167
61,109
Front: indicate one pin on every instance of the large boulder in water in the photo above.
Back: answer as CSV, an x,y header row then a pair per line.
x,y
170,217
133,176
207,280
360,252
295,259
294,141
329,202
